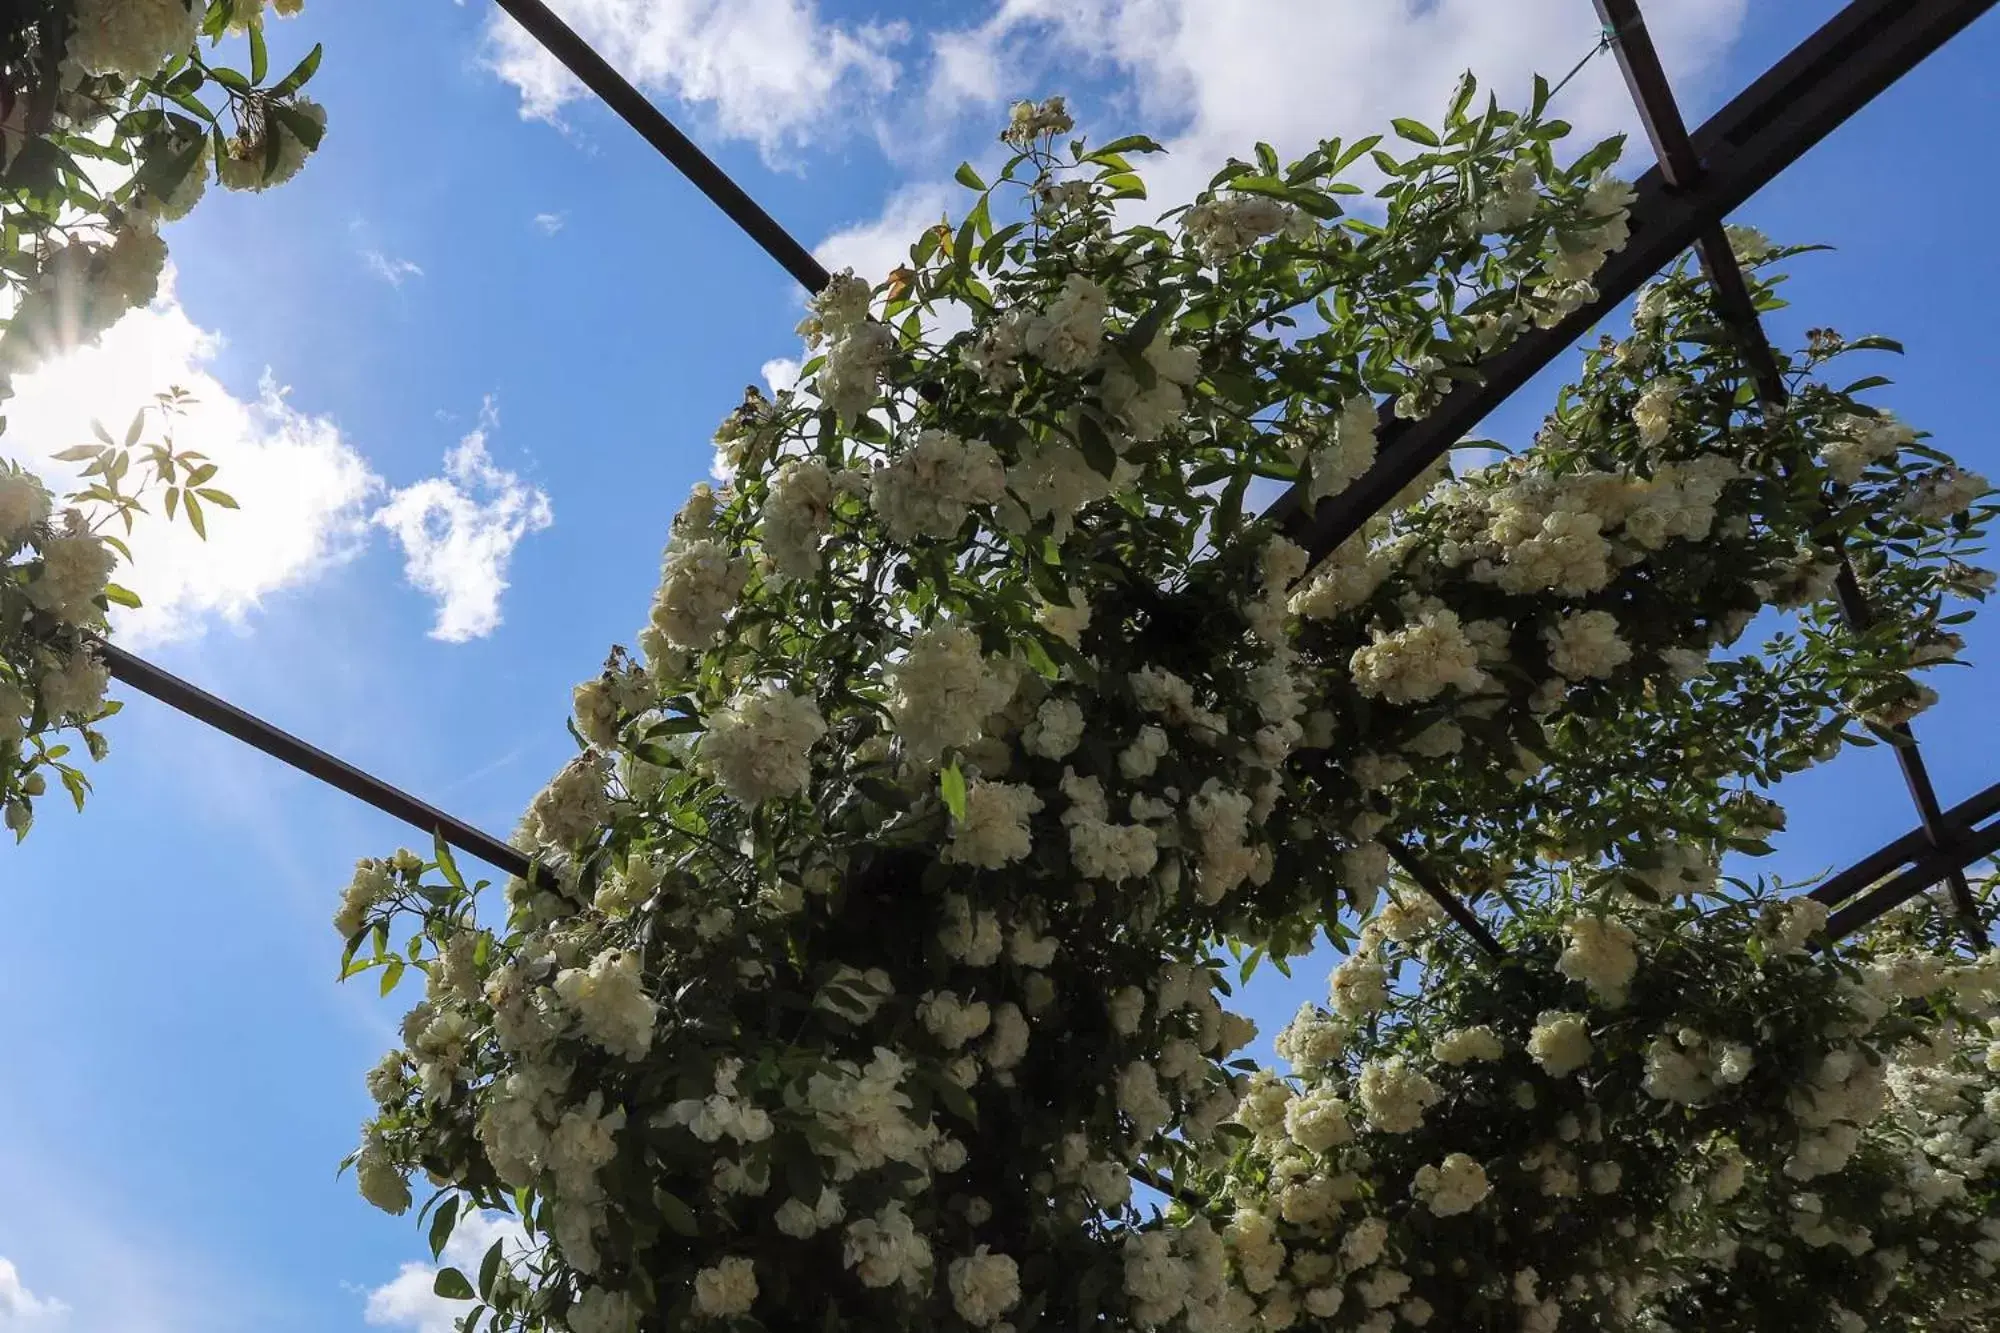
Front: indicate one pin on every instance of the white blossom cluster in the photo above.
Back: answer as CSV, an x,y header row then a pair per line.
x,y
869,956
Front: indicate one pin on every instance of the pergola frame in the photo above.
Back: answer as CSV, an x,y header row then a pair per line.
x,y
1681,203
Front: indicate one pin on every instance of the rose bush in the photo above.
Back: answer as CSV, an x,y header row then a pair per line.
x,y
872,947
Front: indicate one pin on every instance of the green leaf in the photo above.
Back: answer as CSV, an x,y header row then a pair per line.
x,y
489,1268
296,80
392,974
138,426
118,596
1125,185
1096,445
306,130
957,1101
78,453
220,499
173,501
194,516
451,1285
1132,143
1415,131
677,1215
967,177
445,864
951,787
260,59
442,1221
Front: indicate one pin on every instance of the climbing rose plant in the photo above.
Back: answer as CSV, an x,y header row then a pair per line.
x,y
112,120
875,945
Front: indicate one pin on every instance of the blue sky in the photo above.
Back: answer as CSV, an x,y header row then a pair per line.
x,y
184,1072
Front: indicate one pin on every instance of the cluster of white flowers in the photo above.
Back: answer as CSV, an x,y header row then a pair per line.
x,y
1601,954
984,1286
727,1289
757,747
1347,450
572,808
1514,202
1560,1042
799,512
1864,442
1419,661
1395,1094
1455,1185
1586,644
994,829
700,580
945,688
1360,986
1148,411
611,1003
1057,730
1066,335
1028,122
1942,493
886,1250
927,489
130,38
1462,1045
1581,252
1220,229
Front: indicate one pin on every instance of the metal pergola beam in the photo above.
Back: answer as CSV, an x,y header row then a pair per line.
x,y
1798,102
308,759
1911,847
1931,868
596,74
1682,169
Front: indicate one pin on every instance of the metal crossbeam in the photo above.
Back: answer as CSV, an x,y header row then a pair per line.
x,y
1932,867
1909,848
1681,169
560,41
1803,98
314,762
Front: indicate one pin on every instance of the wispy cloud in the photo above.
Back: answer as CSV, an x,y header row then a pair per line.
x,y
550,223
18,1303
458,533
392,271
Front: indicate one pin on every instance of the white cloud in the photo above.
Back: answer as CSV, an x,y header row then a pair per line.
x,y
391,271
550,223
302,487
459,531
774,72
408,1301
781,373
17,1303
1211,80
